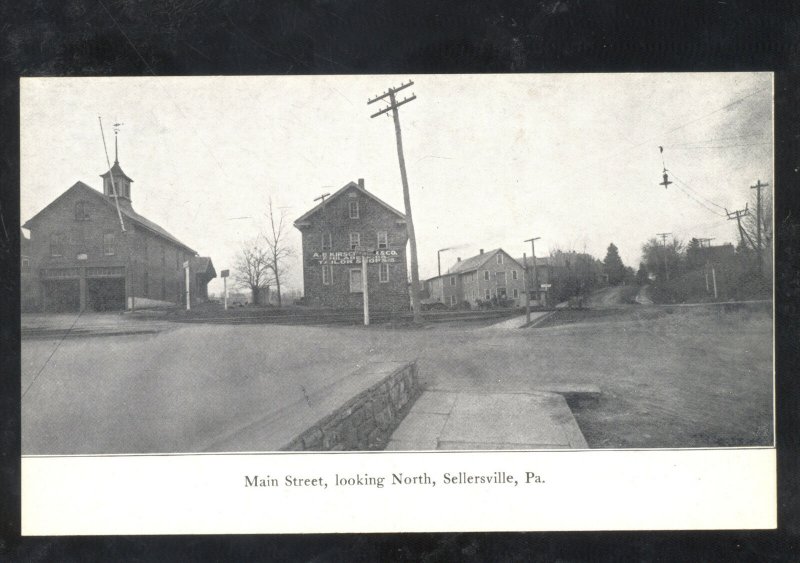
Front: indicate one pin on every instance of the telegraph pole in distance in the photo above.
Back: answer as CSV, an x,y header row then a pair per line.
x,y
738,214
664,240
758,187
535,273
527,291
393,105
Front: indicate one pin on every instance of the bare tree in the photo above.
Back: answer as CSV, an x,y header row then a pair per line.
x,y
277,249
252,268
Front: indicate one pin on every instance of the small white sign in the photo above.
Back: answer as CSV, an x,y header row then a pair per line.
x,y
186,264
546,285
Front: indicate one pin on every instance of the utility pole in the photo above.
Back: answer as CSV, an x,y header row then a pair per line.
x,y
393,105
758,187
527,291
664,240
714,278
738,214
535,273
706,243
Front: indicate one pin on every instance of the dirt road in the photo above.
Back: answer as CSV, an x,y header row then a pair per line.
x,y
613,296
692,377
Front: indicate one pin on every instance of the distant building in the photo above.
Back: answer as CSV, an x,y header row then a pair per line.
x,y
334,231
544,276
79,257
484,277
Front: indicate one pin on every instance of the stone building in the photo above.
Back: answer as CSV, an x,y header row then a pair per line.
x,y
80,258
333,231
484,277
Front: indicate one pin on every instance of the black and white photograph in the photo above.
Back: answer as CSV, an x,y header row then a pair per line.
x,y
391,264
485,262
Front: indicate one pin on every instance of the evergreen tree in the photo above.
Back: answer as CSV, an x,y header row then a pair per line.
x,y
641,275
613,266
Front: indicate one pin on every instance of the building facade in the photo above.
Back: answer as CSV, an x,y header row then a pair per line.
x,y
91,251
488,276
334,234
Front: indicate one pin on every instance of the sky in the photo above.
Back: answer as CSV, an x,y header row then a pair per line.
x,y
492,160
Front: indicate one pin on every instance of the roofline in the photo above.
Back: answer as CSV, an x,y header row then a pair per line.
x,y
479,264
302,219
175,242
103,197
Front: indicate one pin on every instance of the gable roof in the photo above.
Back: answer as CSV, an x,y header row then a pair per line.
x,y
203,265
303,219
475,262
124,208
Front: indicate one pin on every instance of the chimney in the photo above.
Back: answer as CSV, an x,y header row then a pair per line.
x,y
481,251
458,259
361,183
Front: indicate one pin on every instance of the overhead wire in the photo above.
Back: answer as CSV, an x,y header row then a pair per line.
x,y
663,134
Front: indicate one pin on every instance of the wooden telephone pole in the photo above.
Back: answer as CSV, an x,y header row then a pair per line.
x,y
393,105
536,287
664,240
738,214
758,187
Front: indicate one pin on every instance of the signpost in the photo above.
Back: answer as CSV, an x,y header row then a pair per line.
x,y
224,275
365,254
188,300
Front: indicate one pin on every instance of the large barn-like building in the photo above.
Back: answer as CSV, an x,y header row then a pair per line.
x,y
334,231
91,251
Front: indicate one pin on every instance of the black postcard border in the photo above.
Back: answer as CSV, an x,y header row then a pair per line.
x,y
152,37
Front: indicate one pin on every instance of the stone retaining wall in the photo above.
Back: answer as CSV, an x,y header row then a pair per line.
x,y
366,421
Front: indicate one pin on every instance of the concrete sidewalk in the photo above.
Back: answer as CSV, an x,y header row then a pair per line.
x,y
89,324
444,420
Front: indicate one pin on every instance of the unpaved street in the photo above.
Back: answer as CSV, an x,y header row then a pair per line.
x,y
695,377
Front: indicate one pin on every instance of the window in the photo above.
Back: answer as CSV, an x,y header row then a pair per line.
x,y
146,284
486,275
326,241
81,211
355,280
355,240
514,275
487,295
26,264
499,258
108,244
516,293
383,239
452,280
327,273
56,244
354,210
383,272
452,300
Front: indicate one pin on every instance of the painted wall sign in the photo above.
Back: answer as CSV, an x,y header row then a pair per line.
x,y
353,257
